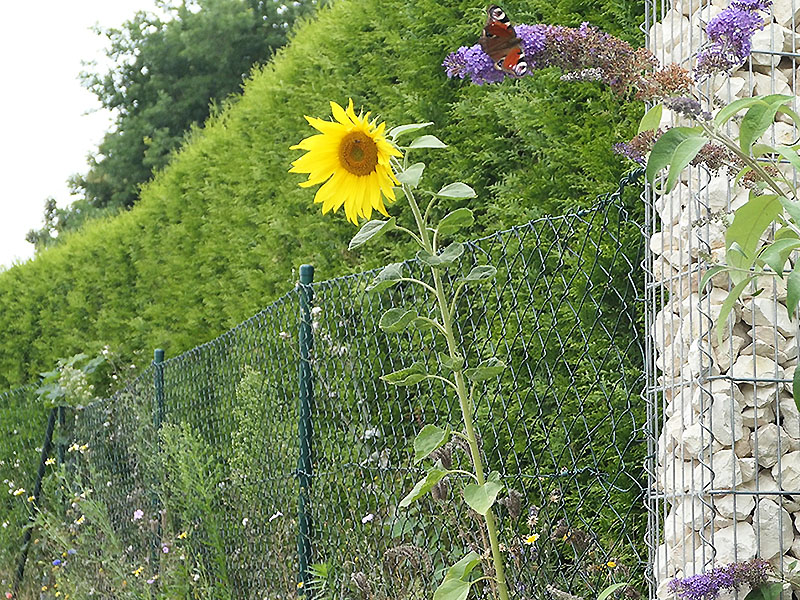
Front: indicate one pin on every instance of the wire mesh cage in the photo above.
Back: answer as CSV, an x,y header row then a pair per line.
x,y
191,475
724,436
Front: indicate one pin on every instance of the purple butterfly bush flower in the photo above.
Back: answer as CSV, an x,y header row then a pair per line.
x,y
707,586
730,34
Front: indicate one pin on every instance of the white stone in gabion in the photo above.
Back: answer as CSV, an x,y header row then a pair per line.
x,y
757,417
768,312
742,447
673,29
748,467
771,39
775,83
790,418
731,89
664,327
696,441
669,206
773,527
726,419
759,396
786,12
765,444
735,543
728,471
717,195
675,529
692,512
700,361
735,506
787,472
749,366
676,475
662,241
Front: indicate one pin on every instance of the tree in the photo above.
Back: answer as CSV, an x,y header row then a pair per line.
x,y
168,72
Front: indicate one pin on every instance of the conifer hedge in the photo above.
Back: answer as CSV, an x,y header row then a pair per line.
x,y
219,233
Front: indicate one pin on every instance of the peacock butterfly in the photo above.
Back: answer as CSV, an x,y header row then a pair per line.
x,y
501,43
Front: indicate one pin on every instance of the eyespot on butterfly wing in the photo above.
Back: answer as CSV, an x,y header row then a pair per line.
x,y
500,42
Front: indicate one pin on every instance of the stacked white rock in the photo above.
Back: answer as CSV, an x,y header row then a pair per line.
x,y
726,471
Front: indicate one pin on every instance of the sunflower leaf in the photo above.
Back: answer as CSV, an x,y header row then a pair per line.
x,y
396,132
427,141
448,256
411,175
370,230
390,275
487,369
480,273
481,497
429,439
408,376
396,320
455,220
423,486
456,190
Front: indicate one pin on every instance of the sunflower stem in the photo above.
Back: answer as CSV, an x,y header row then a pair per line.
x,y
464,399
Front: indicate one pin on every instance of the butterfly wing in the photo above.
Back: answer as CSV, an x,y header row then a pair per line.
x,y
501,43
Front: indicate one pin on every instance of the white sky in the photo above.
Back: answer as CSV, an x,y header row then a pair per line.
x,y
46,131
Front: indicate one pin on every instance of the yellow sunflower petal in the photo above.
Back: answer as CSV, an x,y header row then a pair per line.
x,y
339,113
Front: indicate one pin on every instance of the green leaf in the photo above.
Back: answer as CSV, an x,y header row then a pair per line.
x,y
709,274
777,253
796,387
455,220
370,230
793,208
427,141
651,120
770,591
758,118
793,289
395,320
411,175
456,190
482,497
389,276
727,305
790,155
430,438
463,567
684,154
727,112
408,376
487,369
447,257
664,148
452,589
481,273
610,590
423,486
791,114
451,364
749,223
396,132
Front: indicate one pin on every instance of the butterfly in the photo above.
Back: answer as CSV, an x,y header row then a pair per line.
x,y
501,43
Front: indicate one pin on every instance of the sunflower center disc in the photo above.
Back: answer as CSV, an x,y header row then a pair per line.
x,y
358,153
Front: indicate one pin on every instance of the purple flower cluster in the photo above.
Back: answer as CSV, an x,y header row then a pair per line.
x,y
688,107
706,586
730,33
585,53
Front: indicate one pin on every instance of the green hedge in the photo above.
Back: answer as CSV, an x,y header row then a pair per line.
x,y
219,233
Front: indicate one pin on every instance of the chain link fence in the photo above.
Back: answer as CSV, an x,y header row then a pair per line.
x,y
198,457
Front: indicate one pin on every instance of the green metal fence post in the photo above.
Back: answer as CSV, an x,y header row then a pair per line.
x,y
37,492
158,381
158,419
305,430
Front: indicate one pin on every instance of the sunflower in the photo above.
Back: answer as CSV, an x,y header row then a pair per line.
x,y
351,155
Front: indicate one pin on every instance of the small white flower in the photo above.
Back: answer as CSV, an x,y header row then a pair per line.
x,y
316,311
367,518
284,335
245,521
275,516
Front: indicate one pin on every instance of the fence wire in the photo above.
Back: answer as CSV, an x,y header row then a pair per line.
x,y
194,464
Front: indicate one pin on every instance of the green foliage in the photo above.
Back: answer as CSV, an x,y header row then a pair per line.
x,y
219,231
169,73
